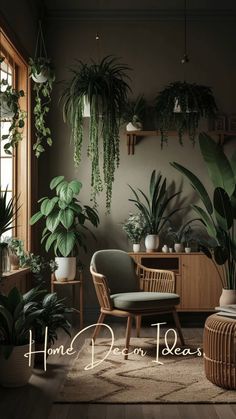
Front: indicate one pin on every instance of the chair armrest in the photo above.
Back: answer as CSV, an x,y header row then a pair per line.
x,y
102,290
155,280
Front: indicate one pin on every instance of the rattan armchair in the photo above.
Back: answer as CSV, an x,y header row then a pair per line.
x,y
127,290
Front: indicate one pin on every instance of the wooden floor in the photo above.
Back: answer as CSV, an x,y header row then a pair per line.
x,y
35,401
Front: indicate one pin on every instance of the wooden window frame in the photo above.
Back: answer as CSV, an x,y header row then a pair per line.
x,y
25,167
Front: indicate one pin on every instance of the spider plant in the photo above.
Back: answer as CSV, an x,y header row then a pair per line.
x,y
104,85
181,105
153,207
218,214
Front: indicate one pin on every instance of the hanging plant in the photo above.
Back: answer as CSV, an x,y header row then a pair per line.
x,y
42,73
10,111
104,86
181,105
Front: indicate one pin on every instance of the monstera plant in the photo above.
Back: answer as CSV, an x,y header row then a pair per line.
x,y
102,87
181,105
218,214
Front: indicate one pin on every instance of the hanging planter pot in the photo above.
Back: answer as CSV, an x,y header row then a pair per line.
x,y
181,105
43,76
97,81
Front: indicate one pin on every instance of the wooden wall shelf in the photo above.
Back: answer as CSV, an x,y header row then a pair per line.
x,y
133,135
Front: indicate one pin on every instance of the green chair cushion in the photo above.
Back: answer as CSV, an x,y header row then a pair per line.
x,y
118,268
144,300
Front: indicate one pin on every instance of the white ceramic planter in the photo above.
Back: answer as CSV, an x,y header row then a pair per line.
x,y
15,371
165,249
136,247
66,270
134,127
151,242
178,247
40,77
187,249
227,297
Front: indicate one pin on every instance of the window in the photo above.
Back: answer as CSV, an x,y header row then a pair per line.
x,y
16,170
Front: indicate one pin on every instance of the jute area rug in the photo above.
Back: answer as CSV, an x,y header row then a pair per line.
x,y
180,379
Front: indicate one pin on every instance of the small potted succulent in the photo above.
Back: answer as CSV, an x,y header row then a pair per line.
x,y
134,114
65,223
134,227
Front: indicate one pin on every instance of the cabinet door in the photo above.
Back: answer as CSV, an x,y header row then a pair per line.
x,y
201,286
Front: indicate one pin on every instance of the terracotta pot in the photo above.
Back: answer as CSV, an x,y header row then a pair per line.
x,y
227,297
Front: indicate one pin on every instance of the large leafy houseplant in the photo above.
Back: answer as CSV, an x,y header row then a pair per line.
x,y
17,315
65,218
153,206
181,105
104,85
217,214
10,110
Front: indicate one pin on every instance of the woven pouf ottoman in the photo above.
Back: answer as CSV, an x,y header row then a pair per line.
x,y
219,348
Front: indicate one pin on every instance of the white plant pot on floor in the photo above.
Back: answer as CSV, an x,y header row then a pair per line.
x,y
15,371
66,270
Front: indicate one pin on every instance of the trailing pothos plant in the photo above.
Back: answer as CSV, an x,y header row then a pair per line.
x,y
181,105
218,214
11,111
65,218
43,75
104,85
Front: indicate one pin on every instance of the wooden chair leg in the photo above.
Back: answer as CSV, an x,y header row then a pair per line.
x,y
178,327
127,335
98,327
138,325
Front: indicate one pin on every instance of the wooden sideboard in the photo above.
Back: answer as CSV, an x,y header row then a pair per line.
x,y
197,280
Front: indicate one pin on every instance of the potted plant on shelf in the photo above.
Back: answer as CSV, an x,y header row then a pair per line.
x,y
153,208
134,227
17,314
65,220
134,114
8,213
42,73
180,236
104,86
219,213
181,105
16,248
53,316
11,111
